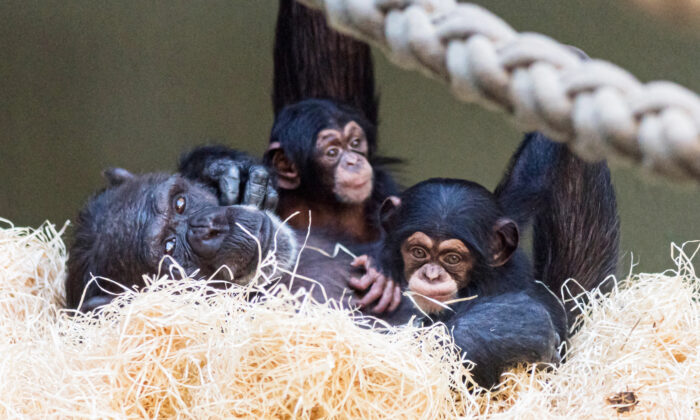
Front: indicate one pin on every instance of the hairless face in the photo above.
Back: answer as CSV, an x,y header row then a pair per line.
x,y
342,157
435,269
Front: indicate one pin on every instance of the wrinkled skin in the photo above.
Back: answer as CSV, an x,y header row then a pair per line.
x,y
126,230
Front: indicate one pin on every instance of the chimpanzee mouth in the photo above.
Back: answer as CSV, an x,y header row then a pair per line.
x,y
274,248
440,296
356,185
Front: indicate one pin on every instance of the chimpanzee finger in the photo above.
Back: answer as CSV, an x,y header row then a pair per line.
x,y
257,186
271,199
362,283
229,185
375,292
396,299
361,261
386,298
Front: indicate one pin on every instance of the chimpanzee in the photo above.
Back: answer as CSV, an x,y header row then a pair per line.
x,y
322,156
452,239
324,139
123,231
312,60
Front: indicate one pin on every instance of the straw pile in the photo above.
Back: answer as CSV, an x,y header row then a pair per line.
x,y
186,350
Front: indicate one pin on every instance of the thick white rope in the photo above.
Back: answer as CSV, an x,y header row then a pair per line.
x,y
598,108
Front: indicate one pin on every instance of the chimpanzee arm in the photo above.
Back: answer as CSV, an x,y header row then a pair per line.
x,y
496,332
523,189
236,177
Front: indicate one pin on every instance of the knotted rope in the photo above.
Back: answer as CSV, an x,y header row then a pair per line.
x,y
599,109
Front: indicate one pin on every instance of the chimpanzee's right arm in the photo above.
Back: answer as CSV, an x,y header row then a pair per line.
x,y
496,332
237,177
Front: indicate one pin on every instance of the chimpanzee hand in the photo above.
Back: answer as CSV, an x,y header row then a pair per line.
x,y
230,177
383,288
236,177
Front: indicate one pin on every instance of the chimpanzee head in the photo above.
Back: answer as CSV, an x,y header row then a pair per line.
x,y
323,149
443,234
127,229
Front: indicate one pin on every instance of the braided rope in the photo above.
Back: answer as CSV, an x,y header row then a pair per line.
x,y
599,109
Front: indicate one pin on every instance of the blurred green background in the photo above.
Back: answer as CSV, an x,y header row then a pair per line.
x,y
89,84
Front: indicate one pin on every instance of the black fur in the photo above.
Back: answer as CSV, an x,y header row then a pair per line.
x,y
100,233
513,318
573,204
297,126
195,163
122,231
577,231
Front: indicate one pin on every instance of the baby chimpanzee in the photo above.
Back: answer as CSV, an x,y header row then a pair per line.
x,y
451,239
323,144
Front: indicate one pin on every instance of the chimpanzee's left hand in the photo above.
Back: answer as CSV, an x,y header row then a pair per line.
x,y
236,177
382,288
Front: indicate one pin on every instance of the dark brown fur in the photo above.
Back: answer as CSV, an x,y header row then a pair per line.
x,y
314,61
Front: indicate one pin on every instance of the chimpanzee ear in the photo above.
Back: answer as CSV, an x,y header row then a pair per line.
x,y
388,211
286,170
116,176
504,243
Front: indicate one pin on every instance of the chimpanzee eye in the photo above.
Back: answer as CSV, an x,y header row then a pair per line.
x,y
418,253
170,246
355,143
453,259
332,152
180,205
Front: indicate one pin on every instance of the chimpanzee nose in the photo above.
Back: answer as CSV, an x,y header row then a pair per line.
x,y
207,230
352,161
432,272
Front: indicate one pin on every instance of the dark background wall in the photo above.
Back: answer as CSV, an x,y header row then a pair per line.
x,y
89,84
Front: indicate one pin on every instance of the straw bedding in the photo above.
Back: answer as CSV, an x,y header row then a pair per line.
x,y
183,349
